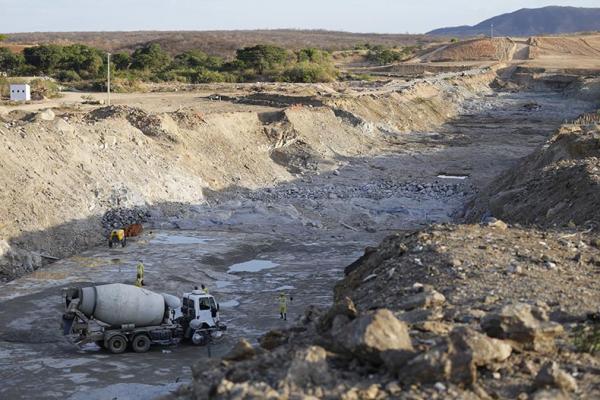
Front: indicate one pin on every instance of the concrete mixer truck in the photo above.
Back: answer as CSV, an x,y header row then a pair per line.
x,y
117,316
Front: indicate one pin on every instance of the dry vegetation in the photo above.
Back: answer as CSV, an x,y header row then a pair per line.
x,y
223,43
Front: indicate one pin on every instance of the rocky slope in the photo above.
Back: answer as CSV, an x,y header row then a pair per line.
x,y
465,311
481,311
557,186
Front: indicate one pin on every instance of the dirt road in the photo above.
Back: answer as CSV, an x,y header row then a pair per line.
x,y
247,246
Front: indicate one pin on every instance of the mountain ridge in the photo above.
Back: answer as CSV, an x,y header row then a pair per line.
x,y
530,22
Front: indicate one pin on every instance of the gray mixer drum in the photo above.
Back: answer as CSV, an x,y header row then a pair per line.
x,y
118,304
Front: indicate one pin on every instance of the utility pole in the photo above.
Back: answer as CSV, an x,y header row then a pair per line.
x,y
108,76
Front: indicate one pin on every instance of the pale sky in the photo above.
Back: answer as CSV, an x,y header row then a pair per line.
x,y
384,16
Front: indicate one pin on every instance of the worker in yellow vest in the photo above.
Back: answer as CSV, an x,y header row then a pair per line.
x,y
139,281
283,306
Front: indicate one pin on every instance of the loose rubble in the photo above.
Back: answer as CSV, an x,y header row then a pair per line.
x,y
420,330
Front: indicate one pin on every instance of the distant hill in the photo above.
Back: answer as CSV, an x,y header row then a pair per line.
x,y
531,22
223,43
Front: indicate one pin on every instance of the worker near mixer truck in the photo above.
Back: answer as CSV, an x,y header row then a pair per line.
x,y
283,306
139,282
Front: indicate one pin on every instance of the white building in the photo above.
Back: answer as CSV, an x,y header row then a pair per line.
x,y
20,92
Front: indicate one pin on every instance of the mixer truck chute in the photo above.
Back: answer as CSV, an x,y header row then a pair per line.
x,y
116,316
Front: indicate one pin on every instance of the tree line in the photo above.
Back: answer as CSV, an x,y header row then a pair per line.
x,y
80,63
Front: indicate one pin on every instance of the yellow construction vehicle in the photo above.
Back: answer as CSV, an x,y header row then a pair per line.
x,y
117,236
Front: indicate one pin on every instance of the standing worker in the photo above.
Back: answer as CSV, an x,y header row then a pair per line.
x,y
283,306
139,282
204,288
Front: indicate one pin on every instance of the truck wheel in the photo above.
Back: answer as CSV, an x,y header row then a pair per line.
x,y
117,344
140,343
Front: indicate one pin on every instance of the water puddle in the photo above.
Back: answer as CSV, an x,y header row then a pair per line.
x,y
287,287
222,284
459,177
229,304
252,266
164,238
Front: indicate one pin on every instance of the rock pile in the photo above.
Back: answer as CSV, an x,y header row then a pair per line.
x,y
469,330
376,190
15,262
558,185
123,217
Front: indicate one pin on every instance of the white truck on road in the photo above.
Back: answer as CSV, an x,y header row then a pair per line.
x,y
115,316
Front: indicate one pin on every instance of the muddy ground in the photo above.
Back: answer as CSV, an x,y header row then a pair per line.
x,y
295,237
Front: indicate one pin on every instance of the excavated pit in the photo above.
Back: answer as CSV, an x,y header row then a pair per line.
x,y
255,202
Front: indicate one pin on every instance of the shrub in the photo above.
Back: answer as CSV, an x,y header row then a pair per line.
x,y
44,88
587,338
262,57
10,62
314,55
121,60
68,76
151,57
207,76
197,59
84,60
44,58
4,87
384,56
306,72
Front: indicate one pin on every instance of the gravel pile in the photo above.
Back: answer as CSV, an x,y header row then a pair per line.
x,y
122,217
381,189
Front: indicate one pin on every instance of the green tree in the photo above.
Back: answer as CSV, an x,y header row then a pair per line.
x,y
10,62
151,57
3,37
197,59
84,60
121,60
262,57
44,58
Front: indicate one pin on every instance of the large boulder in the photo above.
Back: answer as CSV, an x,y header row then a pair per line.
x,y
309,368
243,350
485,350
525,326
552,376
428,298
273,339
368,336
455,361
344,307
47,115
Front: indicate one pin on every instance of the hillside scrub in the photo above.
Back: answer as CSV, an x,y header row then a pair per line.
x,y
382,55
84,66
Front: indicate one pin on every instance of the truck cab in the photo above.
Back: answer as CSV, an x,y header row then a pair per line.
x,y
201,312
200,306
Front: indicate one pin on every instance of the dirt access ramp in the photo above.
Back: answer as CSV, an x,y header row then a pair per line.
x,y
497,49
